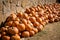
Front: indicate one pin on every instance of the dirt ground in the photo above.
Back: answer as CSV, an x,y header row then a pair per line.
x,y
51,32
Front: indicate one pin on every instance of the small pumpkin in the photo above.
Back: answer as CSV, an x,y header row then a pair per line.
x,y
43,23
27,10
50,16
15,23
36,9
3,29
5,38
17,19
25,34
28,27
3,33
40,27
20,14
15,37
32,9
0,35
21,27
11,17
13,30
51,20
24,21
32,33
36,24
32,19
39,20
35,30
9,23
26,16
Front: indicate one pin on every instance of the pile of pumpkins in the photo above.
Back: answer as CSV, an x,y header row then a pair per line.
x,y
30,22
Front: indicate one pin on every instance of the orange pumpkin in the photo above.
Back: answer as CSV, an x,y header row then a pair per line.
x,y
15,37
26,16
27,10
51,20
40,27
24,21
5,38
13,16
3,33
15,23
36,9
35,30
0,35
32,9
21,27
20,14
9,23
32,19
50,16
25,34
32,33
13,30
39,20
28,27
17,19
43,23
36,24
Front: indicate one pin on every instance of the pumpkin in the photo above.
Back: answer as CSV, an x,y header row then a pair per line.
x,y
50,16
32,33
35,30
30,15
13,16
36,9
32,9
27,10
51,20
8,19
0,35
47,21
25,34
15,23
15,37
43,18
36,24
46,16
9,23
17,19
43,23
20,14
56,20
3,33
3,29
26,16
32,19
13,30
29,22
24,21
40,27
6,26
21,27
39,20
28,27
40,14
5,38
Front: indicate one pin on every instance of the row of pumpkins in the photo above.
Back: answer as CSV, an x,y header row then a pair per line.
x,y
30,22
